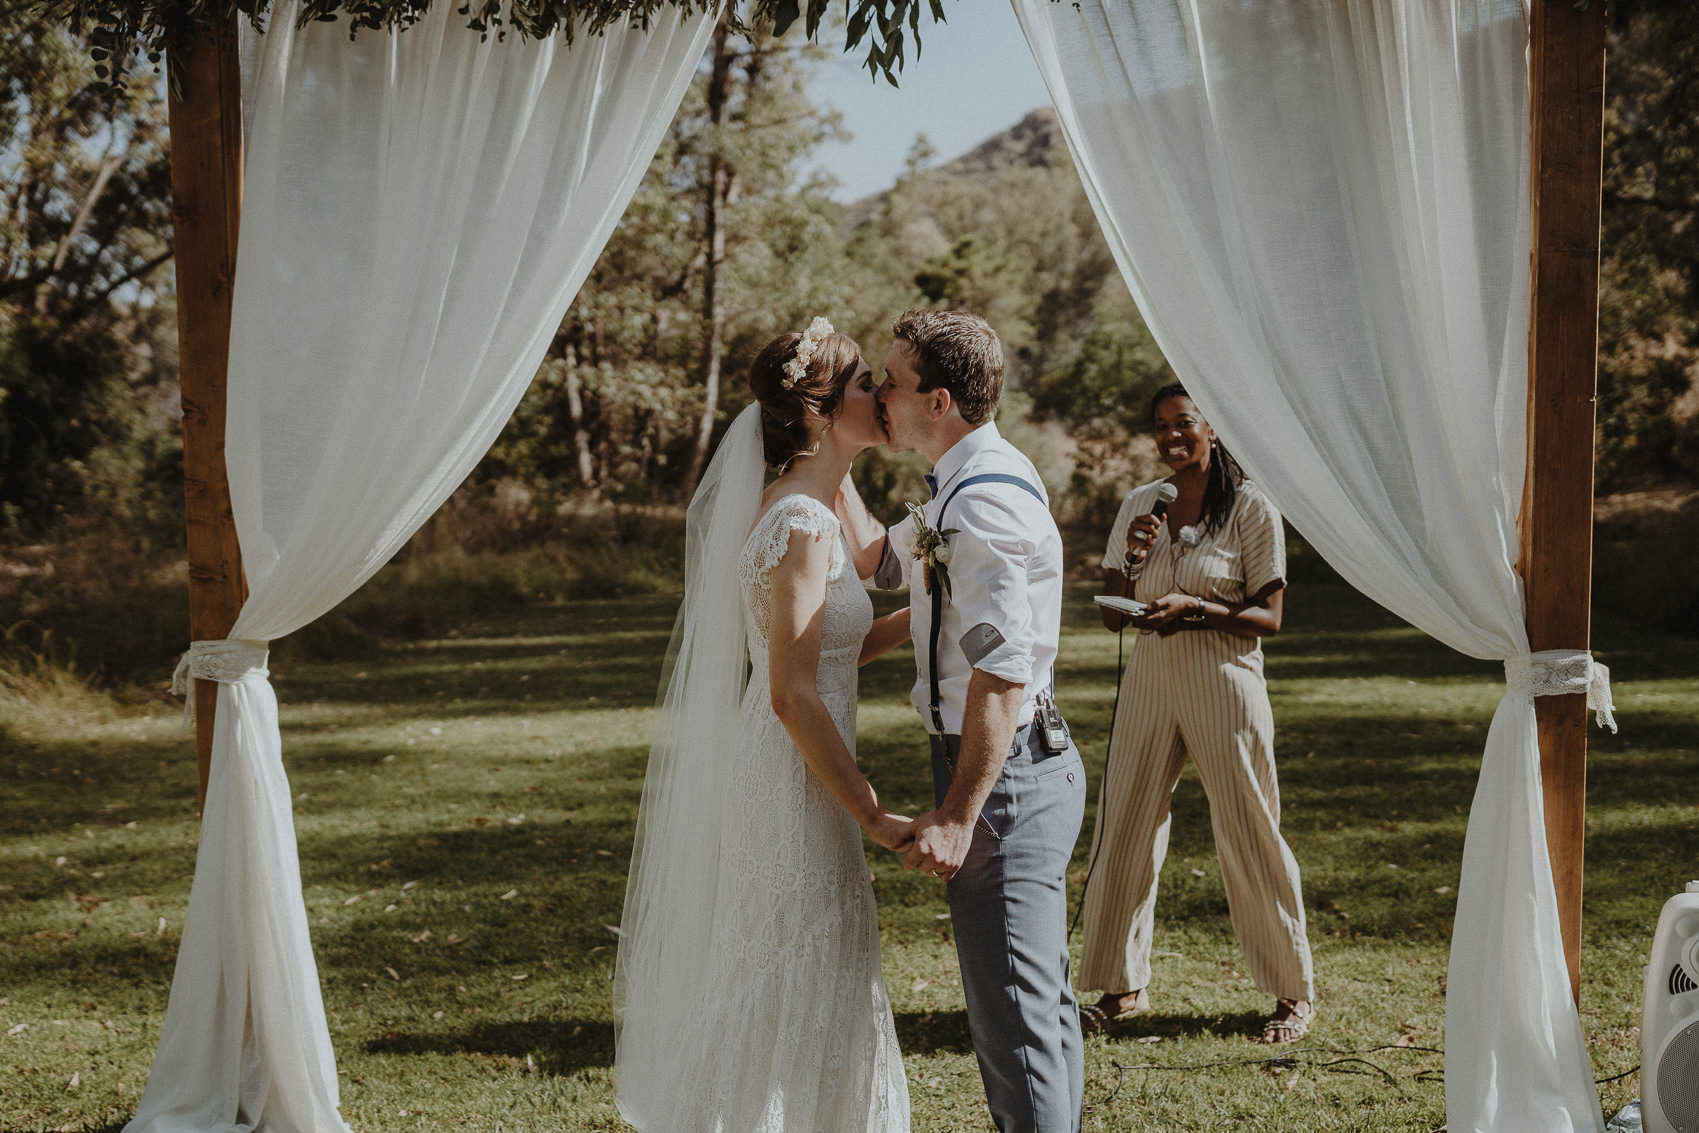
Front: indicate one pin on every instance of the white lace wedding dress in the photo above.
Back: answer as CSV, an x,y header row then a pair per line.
x,y
791,1032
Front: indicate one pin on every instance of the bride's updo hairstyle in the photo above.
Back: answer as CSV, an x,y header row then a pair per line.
x,y
794,416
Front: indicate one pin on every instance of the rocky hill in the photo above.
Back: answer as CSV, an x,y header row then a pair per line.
x,y
1035,142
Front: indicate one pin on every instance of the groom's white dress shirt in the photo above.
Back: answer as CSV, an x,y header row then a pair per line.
x,y
1005,571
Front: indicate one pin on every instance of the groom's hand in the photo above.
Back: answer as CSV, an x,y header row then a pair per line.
x,y
940,846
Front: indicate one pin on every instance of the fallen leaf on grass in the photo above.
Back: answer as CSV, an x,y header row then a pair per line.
x,y
410,885
393,974
76,1080
455,938
613,928
1147,1039
1405,1040
521,976
422,937
1443,889
17,1030
511,893
159,930
436,1014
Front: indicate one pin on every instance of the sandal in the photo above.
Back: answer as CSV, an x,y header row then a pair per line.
x,y
1112,1009
1289,1023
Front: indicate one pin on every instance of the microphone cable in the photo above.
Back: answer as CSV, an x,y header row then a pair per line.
x,y
1103,787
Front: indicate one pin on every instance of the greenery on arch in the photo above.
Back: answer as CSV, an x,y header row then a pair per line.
x,y
886,29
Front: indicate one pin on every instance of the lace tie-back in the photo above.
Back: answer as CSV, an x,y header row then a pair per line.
x,y
226,660
1561,672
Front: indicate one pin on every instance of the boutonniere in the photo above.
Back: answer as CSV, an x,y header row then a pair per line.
x,y
1189,536
932,548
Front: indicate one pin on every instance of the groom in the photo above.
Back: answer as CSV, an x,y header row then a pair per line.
x,y
985,615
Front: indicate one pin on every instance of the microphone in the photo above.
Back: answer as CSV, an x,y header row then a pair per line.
x,y
1166,494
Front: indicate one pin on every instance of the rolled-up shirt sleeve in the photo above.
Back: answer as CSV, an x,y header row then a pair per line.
x,y
892,571
988,581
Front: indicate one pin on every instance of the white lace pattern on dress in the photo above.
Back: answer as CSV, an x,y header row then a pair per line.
x,y
793,1029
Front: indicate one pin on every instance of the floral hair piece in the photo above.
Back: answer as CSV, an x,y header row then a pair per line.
x,y
797,367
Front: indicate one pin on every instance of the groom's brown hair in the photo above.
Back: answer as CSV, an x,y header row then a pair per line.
x,y
959,352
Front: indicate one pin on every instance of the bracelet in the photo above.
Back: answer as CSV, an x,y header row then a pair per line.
x,y
1196,615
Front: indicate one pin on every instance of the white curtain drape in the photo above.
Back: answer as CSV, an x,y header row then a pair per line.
x,y
1322,212
420,210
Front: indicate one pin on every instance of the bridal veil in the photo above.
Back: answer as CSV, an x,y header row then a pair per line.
x,y
675,861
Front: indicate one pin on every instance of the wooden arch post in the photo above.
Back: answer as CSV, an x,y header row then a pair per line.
x,y
205,106
1566,100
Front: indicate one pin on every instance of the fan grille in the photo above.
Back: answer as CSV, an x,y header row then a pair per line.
x,y
1680,982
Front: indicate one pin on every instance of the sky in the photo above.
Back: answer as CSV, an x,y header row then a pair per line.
x,y
975,78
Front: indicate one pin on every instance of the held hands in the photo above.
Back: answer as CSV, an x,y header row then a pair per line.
x,y
894,832
940,846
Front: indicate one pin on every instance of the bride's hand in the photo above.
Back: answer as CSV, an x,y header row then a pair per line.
x,y
892,831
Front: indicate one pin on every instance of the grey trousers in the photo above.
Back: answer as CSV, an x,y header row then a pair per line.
x,y
1009,910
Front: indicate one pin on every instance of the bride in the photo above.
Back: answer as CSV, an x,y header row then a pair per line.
x,y
747,994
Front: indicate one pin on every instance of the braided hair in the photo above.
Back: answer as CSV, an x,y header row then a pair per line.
x,y
1225,475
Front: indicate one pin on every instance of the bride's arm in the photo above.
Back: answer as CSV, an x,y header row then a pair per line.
x,y
866,535
799,598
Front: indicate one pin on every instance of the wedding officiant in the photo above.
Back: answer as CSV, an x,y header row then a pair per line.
x,y
1210,570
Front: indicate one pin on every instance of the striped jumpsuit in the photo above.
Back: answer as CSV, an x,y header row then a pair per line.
x,y
1197,692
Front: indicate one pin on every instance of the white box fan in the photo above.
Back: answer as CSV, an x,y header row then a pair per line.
x,y
1669,1022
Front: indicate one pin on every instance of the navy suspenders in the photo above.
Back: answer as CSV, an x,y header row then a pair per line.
x,y
938,588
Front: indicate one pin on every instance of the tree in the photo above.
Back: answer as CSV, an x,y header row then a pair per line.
x,y
1649,272
84,201
725,244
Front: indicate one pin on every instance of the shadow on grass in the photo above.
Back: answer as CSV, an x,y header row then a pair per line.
x,y
560,1047
1172,1025
56,785
551,664
932,1032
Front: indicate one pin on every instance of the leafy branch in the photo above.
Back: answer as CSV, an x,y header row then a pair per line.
x,y
117,29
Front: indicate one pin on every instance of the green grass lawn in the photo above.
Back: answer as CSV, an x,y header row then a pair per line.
x,y
464,802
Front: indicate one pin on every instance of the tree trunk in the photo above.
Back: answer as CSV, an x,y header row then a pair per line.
x,y
575,410
206,191
1566,88
109,164
721,178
